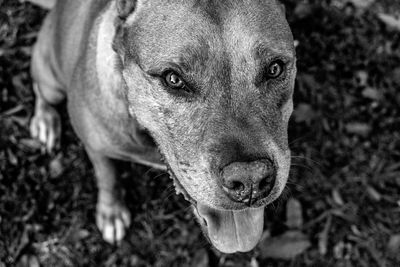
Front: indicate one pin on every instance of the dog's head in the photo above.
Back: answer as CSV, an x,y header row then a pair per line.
x,y
212,81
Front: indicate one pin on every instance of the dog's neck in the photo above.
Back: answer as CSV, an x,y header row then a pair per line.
x,y
106,58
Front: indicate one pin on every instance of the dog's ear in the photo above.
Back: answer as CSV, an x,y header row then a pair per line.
x,y
125,8
283,8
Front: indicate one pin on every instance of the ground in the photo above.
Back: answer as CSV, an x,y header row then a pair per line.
x,y
344,187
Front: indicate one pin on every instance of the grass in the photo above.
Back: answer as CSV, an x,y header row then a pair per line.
x,y
344,134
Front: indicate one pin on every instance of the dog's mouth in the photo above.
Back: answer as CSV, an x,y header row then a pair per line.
x,y
229,231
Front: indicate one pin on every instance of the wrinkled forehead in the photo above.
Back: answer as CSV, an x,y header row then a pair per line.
x,y
189,30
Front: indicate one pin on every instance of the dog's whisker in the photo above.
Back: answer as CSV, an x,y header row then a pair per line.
x,y
308,159
297,139
302,166
159,175
149,170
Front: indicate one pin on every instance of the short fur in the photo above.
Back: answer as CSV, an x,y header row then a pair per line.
x,y
108,59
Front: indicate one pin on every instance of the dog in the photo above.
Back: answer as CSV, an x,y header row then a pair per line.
x,y
201,88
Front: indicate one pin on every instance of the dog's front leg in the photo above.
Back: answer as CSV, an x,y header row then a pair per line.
x,y
112,217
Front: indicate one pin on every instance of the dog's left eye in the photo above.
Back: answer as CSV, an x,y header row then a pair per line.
x,y
275,69
174,81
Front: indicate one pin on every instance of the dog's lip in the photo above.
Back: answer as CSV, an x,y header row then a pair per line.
x,y
233,219
179,189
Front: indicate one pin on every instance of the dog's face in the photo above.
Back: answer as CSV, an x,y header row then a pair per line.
x,y
212,81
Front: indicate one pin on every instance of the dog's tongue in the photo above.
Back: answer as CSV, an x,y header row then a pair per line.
x,y
233,231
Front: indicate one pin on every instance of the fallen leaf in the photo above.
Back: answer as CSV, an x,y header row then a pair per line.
x,y
362,77
294,216
355,230
285,246
12,157
358,128
371,93
394,244
342,250
390,21
254,262
32,144
337,198
304,113
362,3
83,233
303,10
373,194
56,166
324,236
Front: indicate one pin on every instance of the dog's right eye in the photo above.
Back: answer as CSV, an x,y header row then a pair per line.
x,y
275,69
174,81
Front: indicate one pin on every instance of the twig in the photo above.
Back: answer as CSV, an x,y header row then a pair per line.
x,y
11,111
323,237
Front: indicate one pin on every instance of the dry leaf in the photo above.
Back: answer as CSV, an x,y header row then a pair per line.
x,y
32,144
362,3
304,113
254,262
303,10
371,93
362,77
12,157
394,244
390,21
294,216
324,236
56,166
342,250
286,246
373,194
337,198
358,128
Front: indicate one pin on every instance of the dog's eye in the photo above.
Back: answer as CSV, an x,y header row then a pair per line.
x,y
275,69
174,81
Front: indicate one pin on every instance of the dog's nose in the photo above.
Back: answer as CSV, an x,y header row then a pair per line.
x,y
248,182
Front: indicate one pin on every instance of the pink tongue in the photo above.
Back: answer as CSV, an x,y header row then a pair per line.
x,y
233,231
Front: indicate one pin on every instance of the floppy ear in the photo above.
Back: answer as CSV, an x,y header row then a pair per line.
x,y
125,8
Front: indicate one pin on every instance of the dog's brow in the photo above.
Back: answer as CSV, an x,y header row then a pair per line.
x,y
263,51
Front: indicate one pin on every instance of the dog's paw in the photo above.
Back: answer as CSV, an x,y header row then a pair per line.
x,y
112,221
46,127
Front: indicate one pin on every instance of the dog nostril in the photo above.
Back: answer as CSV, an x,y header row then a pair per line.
x,y
266,182
248,182
263,184
237,186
